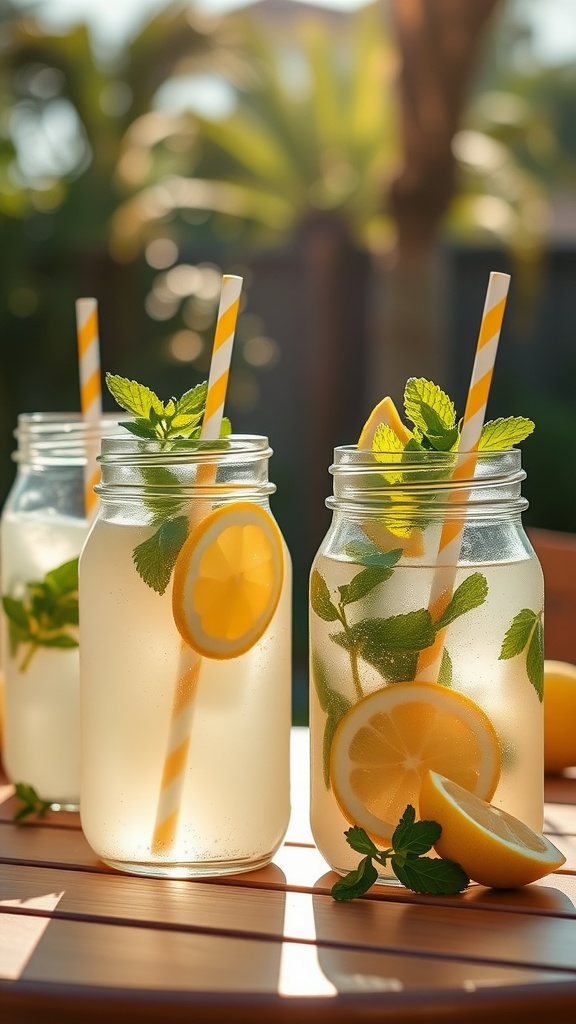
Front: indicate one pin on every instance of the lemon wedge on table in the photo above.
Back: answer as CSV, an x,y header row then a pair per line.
x,y
228,579
559,716
493,847
386,743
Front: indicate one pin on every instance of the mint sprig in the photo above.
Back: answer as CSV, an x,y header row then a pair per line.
x,y
411,840
155,419
47,614
31,803
171,422
437,428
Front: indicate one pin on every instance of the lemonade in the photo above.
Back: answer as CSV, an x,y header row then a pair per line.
x,y
403,682
235,802
42,730
43,528
185,632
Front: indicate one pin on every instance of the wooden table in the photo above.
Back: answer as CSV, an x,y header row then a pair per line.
x,y
81,943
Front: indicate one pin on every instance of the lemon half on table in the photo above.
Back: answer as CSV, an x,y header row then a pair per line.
x,y
384,746
228,579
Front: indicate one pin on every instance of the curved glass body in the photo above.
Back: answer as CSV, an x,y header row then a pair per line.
x,y
230,766
380,628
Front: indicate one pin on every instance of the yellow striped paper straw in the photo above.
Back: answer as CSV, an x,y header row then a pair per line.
x,y
429,660
174,769
90,391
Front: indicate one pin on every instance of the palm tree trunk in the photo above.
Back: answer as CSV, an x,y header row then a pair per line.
x,y
438,41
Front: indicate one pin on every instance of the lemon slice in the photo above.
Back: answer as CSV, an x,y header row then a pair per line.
x,y
559,715
385,412
227,580
388,741
492,846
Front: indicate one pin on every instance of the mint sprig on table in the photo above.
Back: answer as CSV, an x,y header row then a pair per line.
x,y
411,839
436,427
31,803
45,615
178,419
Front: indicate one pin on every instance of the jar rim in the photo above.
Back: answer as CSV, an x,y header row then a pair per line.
x,y
127,447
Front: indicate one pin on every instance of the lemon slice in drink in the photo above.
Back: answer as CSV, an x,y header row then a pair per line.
x,y
227,580
387,742
492,846
387,413
401,535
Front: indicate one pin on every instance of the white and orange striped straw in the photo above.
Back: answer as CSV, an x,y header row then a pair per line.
x,y
429,660
174,769
90,391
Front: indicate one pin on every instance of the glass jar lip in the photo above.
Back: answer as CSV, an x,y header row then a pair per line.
x,y
354,454
128,447
53,438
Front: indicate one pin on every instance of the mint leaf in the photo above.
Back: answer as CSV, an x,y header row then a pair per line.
x,y
320,598
333,703
16,612
429,875
446,671
31,802
386,442
414,837
428,407
498,435
155,557
60,640
535,660
356,882
368,554
410,631
470,594
363,583
192,402
64,579
133,397
358,839
518,634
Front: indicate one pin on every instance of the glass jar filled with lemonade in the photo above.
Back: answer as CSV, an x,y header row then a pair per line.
x,y
185,621
418,663
42,530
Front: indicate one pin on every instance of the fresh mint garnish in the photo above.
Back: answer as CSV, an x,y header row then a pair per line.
x,y
46,614
157,419
437,428
31,803
526,634
333,703
156,557
410,841
497,435
177,421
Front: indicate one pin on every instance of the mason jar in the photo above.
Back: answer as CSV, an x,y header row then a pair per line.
x,y
418,661
42,530
185,625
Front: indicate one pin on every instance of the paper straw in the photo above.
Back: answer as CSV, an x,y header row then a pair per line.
x,y
429,660
173,772
90,392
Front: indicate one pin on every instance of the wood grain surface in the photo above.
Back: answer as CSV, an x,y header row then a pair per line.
x,y
80,942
